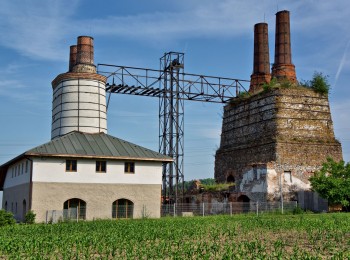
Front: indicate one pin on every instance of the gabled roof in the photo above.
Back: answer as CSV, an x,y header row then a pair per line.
x,y
85,145
99,145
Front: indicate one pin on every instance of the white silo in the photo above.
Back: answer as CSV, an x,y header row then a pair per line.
x,y
79,96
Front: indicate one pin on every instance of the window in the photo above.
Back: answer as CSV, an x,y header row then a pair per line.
x,y
122,208
75,205
129,167
101,166
27,165
71,165
24,208
288,176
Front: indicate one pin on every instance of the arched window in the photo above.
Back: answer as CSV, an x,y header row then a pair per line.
x,y
77,204
122,208
230,179
243,198
244,205
24,208
6,205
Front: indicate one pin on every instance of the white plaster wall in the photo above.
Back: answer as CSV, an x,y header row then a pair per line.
x,y
79,104
249,176
22,178
54,170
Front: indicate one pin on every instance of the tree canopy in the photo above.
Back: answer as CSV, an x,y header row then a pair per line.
x,y
332,182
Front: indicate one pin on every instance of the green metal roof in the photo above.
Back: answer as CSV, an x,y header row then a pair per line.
x,y
99,145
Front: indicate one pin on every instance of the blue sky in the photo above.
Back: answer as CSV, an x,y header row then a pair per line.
x,y
216,36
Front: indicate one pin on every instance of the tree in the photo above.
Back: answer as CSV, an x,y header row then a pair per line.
x,y
332,182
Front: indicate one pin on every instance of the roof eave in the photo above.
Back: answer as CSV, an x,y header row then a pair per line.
x,y
101,157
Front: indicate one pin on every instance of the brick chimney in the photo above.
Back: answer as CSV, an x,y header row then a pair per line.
x,y
72,57
85,55
261,64
283,68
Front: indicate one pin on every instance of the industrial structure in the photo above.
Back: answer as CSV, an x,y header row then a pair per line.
x,y
82,168
274,140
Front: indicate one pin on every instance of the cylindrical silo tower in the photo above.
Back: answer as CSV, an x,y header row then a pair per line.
x,y
79,95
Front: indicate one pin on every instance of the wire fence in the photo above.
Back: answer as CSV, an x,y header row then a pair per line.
x,y
180,210
229,208
71,214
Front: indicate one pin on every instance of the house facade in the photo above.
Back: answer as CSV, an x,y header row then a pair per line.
x,y
99,175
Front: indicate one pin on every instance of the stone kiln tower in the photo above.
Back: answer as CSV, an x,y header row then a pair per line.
x,y
79,95
275,140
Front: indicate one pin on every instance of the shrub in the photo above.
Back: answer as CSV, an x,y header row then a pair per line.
x,y
319,83
6,218
298,210
30,217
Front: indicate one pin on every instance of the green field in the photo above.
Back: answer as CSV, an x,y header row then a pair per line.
x,y
307,236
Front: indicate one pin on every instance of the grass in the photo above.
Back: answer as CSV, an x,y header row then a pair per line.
x,y
314,236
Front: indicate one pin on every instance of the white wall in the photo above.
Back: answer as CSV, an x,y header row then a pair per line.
x,y
16,176
54,170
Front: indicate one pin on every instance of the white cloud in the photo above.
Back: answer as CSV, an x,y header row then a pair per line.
x,y
35,28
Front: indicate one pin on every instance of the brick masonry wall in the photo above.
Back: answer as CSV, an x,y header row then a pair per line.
x,y
283,131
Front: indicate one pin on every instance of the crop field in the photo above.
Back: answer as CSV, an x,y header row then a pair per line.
x,y
306,236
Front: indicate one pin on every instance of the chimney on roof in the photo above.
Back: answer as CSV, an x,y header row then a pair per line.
x,y
261,64
283,68
72,57
85,55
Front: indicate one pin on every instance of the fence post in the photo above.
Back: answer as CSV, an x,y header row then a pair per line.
x,y
203,209
77,214
174,209
231,209
47,212
257,208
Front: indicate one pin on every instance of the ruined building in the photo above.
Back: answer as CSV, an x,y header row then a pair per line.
x,y
275,139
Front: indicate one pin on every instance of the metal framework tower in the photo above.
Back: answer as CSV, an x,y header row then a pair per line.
x,y
171,124
172,86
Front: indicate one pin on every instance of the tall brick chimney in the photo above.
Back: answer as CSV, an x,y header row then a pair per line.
x,y
72,57
283,67
85,55
261,68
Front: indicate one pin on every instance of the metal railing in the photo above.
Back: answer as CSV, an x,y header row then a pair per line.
x,y
225,208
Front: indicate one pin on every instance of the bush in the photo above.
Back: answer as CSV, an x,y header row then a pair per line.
x,y
30,217
319,83
6,218
298,210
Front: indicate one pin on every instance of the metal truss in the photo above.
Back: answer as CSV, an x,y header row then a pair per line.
x,y
172,86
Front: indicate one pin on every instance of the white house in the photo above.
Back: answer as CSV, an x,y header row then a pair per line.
x,y
83,167
102,176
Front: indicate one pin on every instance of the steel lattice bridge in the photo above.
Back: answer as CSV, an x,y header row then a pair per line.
x,y
172,87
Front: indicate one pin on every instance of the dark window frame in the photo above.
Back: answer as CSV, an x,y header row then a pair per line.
x,y
71,165
129,167
101,166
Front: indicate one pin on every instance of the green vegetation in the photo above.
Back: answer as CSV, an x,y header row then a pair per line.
x,y
30,217
216,186
332,182
316,236
6,218
319,83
